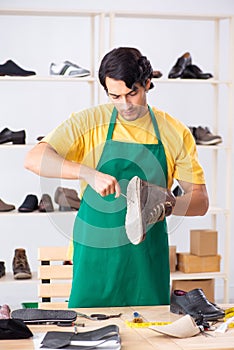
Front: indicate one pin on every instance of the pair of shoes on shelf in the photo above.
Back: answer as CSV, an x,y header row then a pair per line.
x,y
31,203
5,312
20,265
195,304
16,137
12,69
6,207
203,136
2,269
67,199
68,69
184,69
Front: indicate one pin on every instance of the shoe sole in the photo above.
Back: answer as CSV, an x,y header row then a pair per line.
x,y
134,221
209,142
22,276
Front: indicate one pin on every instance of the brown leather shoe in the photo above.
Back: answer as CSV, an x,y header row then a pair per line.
x,y
21,269
67,199
46,204
146,204
6,207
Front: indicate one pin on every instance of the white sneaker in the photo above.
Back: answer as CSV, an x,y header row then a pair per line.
x,y
69,69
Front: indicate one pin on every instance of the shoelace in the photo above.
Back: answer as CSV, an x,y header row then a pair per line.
x,y
156,213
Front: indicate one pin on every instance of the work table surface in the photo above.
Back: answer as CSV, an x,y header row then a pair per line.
x,y
133,338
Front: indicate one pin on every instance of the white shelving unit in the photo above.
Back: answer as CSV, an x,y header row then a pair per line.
x,y
217,119
15,225
35,229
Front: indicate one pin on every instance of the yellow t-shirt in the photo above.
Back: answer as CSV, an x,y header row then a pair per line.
x,y
82,136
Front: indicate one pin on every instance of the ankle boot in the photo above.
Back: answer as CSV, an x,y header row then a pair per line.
x,y
21,269
67,199
16,137
146,204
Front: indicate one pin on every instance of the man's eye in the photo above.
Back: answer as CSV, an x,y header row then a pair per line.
x,y
133,93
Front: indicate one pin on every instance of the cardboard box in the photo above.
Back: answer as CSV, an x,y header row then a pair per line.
x,y
189,263
206,285
203,242
172,257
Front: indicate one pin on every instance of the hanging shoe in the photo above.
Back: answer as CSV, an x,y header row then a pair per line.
x,y
6,207
16,137
46,204
30,204
146,204
12,69
21,269
69,69
195,304
180,65
67,199
203,136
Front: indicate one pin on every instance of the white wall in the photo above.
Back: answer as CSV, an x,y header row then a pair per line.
x,y
35,42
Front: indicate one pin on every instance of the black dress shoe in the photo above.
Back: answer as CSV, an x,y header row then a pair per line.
x,y
194,72
195,304
12,69
16,137
182,62
30,204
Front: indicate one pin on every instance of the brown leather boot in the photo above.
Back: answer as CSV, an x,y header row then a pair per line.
x,y
67,199
146,204
21,269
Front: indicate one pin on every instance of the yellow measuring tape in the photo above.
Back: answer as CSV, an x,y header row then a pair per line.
x,y
145,324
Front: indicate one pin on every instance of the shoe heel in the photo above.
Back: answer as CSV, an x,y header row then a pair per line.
x,y
18,138
63,208
176,310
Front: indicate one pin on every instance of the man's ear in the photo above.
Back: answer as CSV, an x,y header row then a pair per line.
x,y
147,85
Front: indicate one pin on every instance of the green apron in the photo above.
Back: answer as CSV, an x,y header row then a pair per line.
x,y
107,269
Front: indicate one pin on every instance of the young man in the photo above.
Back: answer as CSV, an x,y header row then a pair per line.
x,y
105,147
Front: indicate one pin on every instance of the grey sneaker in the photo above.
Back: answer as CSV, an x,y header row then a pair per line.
x,y
69,69
146,204
21,269
203,136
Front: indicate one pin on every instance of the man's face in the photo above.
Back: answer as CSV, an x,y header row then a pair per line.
x,y
131,104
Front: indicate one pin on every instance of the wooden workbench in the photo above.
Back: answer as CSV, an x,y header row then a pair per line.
x,y
134,338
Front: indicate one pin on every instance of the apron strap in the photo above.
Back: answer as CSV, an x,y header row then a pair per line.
x,y
113,120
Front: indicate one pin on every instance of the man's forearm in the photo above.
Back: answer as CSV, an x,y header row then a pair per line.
x,y
193,203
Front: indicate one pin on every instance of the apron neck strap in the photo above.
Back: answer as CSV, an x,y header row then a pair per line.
x,y
113,120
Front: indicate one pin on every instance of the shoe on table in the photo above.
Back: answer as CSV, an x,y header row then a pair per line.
x,y
69,69
12,69
2,269
6,207
203,136
195,304
157,74
20,266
